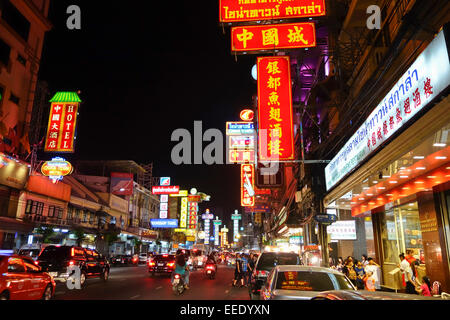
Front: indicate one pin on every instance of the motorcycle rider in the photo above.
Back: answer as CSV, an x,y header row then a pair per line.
x,y
181,268
212,260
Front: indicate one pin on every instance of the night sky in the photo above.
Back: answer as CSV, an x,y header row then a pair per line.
x,y
146,68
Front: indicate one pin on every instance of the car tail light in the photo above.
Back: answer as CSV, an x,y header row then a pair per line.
x,y
71,263
72,252
210,267
165,255
177,276
151,263
171,264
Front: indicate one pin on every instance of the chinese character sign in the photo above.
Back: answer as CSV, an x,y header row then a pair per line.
x,y
193,210
184,210
247,185
270,37
61,127
276,133
251,10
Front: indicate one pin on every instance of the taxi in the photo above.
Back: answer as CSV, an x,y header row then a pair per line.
x,y
22,279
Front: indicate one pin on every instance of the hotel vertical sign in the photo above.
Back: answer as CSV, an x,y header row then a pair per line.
x,y
62,122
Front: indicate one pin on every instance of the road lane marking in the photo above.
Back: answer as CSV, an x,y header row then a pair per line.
x,y
135,297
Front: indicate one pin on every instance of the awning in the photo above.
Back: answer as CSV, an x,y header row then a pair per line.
x,y
14,225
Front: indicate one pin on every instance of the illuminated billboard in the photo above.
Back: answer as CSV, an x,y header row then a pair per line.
x,y
276,133
232,11
62,122
271,37
247,185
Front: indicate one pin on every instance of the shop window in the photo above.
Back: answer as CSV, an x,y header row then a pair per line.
x,y
12,16
401,233
34,207
5,51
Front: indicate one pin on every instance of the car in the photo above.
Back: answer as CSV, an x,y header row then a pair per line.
x,y
22,279
31,250
161,263
294,282
368,295
265,263
143,256
125,259
57,259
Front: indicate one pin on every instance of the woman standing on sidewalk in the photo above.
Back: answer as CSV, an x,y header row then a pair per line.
x,y
349,270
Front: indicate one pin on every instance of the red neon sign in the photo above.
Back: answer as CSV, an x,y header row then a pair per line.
x,y
276,133
270,37
247,115
242,156
61,127
247,184
165,189
254,10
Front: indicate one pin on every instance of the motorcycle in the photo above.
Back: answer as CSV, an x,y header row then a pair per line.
x,y
178,284
210,271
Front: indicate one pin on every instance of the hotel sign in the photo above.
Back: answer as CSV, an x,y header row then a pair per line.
x,y
232,11
427,77
271,37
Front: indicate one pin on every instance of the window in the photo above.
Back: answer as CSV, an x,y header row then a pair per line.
x,y
15,19
31,267
5,51
309,281
69,213
14,98
15,266
84,216
59,212
91,218
34,207
51,211
270,260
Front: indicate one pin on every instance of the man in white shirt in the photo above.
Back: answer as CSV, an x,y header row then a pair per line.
x,y
407,274
375,269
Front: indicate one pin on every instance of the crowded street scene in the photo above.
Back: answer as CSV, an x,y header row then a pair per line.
x,y
222,155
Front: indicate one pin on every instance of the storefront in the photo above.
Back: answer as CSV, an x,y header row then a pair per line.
x,y
393,175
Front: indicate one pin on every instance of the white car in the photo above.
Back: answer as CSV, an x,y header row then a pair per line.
x,y
143,257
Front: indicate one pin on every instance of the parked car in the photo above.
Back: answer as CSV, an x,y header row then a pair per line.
x,y
161,263
302,282
368,295
265,263
56,259
124,260
22,279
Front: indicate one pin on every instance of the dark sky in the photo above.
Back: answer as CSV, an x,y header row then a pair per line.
x,y
146,68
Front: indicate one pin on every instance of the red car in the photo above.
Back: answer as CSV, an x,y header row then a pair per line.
x,y
22,279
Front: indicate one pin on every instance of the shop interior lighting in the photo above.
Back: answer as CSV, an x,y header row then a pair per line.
x,y
386,177
420,168
404,177
440,158
393,181
439,145
418,157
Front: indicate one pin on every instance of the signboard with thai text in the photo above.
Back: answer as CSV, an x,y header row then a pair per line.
x,y
272,37
165,189
276,133
425,79
233,11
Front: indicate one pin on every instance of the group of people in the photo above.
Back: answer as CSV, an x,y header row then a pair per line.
x,y
362,273
409,268
245,264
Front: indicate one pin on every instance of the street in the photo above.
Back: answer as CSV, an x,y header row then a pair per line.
x,y
135,283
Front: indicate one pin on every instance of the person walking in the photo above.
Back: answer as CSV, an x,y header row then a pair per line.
x,y
237,270
250,268
244,269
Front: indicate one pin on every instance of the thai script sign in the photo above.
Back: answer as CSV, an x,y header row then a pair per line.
x,y
254,10
271,37
428,76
